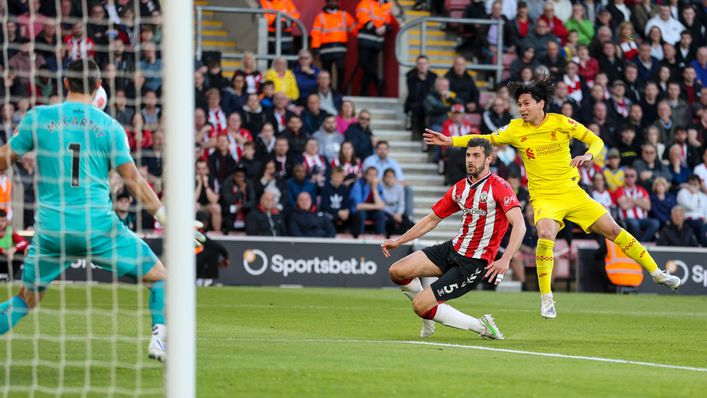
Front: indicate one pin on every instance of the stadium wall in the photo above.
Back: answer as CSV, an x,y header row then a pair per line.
x,y
264,261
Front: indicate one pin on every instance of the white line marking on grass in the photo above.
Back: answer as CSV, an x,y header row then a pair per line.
x,y
476,347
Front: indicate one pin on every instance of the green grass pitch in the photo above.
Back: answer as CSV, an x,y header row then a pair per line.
x,y
270,342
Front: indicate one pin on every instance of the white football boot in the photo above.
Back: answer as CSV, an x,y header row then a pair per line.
x,y
491,331
428,328
547,306
661,277
157,349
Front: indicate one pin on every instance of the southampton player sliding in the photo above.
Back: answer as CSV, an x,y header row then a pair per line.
x,y
77,145
488,204
542,139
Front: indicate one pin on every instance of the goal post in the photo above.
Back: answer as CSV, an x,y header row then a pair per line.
x,y
178,102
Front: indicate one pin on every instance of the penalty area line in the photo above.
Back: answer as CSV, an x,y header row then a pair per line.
x,y
478,348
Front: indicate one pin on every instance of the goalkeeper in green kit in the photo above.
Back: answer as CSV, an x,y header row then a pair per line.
x,y
77,145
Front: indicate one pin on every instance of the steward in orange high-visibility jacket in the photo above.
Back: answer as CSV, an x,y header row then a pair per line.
x,y
287,45
330,35
373,17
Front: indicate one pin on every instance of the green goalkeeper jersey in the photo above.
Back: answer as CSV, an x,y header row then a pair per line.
x,y
77,145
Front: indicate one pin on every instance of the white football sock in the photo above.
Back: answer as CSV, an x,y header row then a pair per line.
x,y
449,316
427,281
160,331
412,289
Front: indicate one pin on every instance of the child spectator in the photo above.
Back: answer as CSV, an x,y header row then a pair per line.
x,y
248,161
600,193
267,96
122,210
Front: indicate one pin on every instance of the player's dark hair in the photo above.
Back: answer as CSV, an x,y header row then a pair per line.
x,y
3,213
540,89
483,143
83,74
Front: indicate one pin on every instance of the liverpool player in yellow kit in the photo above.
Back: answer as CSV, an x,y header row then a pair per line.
x,y
543,139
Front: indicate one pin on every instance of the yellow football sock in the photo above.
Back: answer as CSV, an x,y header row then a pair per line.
x,y
634,249
544,261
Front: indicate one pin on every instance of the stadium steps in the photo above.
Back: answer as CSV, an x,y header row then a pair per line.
x,y
387,123
217,38
440,44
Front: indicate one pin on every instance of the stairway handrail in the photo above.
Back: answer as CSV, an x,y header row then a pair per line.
x,y
241,10
498,67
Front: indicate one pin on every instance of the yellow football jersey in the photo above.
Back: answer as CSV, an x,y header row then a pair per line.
x,y
545,150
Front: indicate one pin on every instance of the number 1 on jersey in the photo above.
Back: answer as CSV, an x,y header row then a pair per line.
x,y
75,149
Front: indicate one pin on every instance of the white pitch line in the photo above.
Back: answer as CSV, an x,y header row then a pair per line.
x,y
480,348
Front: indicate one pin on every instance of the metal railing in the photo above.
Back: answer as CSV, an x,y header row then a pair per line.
x,y
422,22
279,15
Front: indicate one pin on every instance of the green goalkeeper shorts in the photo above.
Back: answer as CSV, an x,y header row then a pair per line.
x,y
119,251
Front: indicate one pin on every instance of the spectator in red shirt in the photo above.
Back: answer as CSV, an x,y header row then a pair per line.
x,y
237,135
138,136
78,46
205,134
634,205
555,25
588,66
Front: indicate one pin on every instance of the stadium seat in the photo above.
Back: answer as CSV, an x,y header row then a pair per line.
x,y
484,98
455,8
473,118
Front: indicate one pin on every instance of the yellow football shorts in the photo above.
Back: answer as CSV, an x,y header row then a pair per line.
x,y
574,205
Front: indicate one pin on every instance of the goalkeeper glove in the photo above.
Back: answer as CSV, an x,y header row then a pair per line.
x,y
199,238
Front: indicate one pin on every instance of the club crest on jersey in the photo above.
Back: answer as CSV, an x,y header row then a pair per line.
x,y
553,136
507,200
483,197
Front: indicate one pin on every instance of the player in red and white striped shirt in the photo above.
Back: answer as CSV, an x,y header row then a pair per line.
x,y
488,205
634,204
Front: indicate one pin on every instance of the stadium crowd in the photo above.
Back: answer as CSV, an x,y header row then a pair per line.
x,y
634,72
280,153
